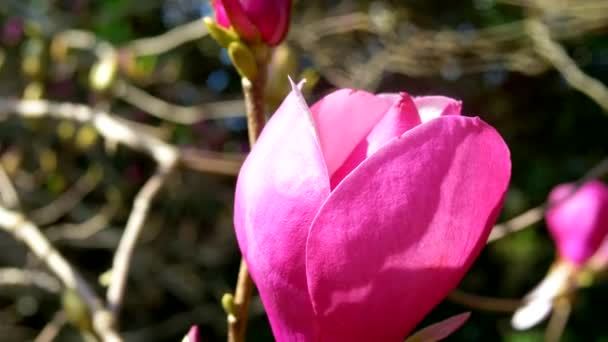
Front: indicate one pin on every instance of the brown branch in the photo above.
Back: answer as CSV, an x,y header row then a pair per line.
x,y
484,303
554,53
8,193
128,241
174,113
24,277
68,199
534,215
256,118
52,328
124,132
86,229
169,40
562,308
17,225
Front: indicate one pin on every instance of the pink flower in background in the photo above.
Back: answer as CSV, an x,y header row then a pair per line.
x,y
192,335
253,19
359,215
578,219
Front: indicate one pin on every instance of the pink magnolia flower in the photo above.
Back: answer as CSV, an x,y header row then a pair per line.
x,y
253,19
578,219
360,214
192,335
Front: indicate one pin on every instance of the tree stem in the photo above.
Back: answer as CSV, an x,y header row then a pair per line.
x,y
253,91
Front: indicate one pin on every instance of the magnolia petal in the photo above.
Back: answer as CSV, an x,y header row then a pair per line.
x,y
539,302
343,119
279,190
401,117
399,233
271,18
431,107
531,314
192,335
237,18
440,330
578,219
220,13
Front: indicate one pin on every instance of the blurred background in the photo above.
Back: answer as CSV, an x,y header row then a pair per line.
x,y
153,68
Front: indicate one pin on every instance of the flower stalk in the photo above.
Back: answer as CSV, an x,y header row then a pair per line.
x,y
253,91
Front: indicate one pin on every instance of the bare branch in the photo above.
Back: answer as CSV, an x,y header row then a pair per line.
x,y
8,193
86,229
52,328
557,56
68,199
17,225
23,277
174,113
133,229
534,215
484,303
124,132
168,40
556,327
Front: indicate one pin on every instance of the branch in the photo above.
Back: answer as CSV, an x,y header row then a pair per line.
x,y
52,328
253,90
133,229
22,277
168,40
8,193
68,199
86,229
536,214
17,225
554,53
174,113
124,132
484,303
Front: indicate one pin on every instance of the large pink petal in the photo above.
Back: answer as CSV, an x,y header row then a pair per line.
x,y
401,117
398,234
343,119
271,18
280,188
578,219
431,107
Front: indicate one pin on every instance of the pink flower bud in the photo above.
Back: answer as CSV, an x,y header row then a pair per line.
x,y
192,335
358,215
253,19
578,219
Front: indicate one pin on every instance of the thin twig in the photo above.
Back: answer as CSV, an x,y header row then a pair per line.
x,y
175,113
128,241
169,40
534,215
558,57
17,225
52,328
122,131
22,277
484,303
86,229
562,308
68,199
528,218
8,193
254,102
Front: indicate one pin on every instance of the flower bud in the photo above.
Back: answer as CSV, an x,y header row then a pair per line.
x,y
254,20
